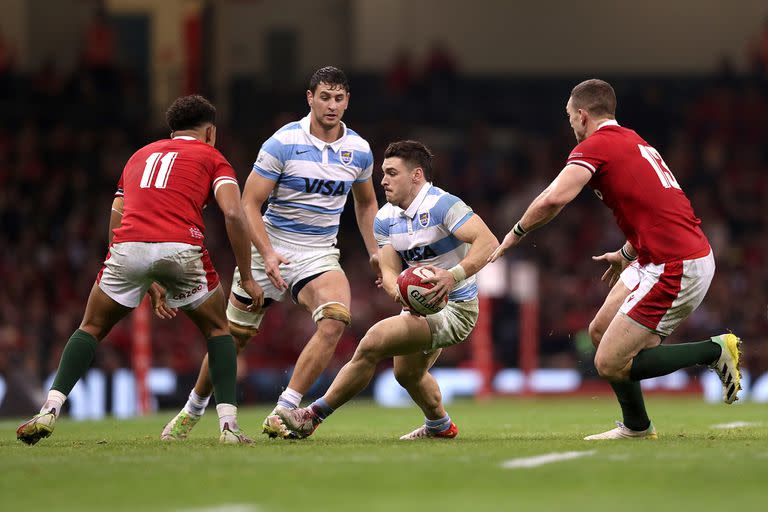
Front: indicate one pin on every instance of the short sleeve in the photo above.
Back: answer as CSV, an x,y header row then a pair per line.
x,y
451,212
588,154
271,159
381,229
366,167
222,172
120,192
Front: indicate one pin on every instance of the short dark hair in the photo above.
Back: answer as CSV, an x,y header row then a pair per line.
x,y
413,152
596,97
329,75
190,112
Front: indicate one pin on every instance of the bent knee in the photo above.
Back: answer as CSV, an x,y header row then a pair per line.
x,y
330,329
609,369
407,377
596,332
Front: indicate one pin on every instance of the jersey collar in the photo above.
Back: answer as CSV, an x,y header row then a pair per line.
x,y
184,137
320,144
410,212
609,122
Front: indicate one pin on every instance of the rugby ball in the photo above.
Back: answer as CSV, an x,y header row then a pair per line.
x,y
413,289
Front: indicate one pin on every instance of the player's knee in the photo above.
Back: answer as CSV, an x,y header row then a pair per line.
x,y
407,377
606,368
369,347
242,334
332,311
98,332
330,331
596,332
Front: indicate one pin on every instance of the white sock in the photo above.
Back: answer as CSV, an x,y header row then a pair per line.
x,y
196,404
54,401
227,416
290,398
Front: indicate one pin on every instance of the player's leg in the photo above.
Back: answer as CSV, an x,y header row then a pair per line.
x,y
210,317
412,372
628,393
671,292
399,335
101,314
181,425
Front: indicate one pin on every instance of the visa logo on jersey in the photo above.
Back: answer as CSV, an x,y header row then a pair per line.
x,y
325,187
418,253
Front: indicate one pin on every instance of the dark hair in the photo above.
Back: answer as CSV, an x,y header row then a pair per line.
x,y
413,152
190,112
596,97
329,75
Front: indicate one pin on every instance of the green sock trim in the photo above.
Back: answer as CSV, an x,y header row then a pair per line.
x,y
75,361
630,398
665,359
222,363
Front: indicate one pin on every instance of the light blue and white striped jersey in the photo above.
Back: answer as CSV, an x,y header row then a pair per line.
x,y
423,234
313,179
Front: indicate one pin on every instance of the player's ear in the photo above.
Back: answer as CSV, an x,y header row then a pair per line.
x,y
309,98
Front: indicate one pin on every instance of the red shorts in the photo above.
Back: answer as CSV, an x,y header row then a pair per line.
x,y
662,296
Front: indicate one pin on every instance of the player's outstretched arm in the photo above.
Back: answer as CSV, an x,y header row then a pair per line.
x,y
482,243
365,211
257,190
228,199
546,206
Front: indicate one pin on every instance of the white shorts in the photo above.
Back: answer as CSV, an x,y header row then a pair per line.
x,y
662,296
184,270
305,263
453,323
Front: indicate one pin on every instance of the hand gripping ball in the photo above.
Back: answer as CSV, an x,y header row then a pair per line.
x,y
413,289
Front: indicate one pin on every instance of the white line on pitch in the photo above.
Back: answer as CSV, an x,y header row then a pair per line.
x,y
540,460
736,424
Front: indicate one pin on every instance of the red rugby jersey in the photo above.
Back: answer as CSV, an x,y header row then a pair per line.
x,y
165,186
631,178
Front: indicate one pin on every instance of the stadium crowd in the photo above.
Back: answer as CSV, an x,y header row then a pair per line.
x,y
64,141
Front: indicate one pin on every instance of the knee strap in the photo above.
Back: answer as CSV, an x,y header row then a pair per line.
x,y
334,311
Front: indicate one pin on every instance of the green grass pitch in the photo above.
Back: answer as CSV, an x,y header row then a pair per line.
x,y
355,462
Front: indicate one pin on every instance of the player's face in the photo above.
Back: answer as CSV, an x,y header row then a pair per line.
x,y
398,180
578,120
328,104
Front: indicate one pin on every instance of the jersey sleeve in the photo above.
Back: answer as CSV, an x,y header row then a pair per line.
x,y
222,172
589,154
120,192
381,228
366,167
271,159
451,212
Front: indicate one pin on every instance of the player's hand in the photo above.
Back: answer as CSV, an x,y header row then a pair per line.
x,y
159,306
374,262
272,262
394,293
443,281
616,265
256,293
509,241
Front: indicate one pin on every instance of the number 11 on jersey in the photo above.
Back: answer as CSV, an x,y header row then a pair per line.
x,y
166,162
662,171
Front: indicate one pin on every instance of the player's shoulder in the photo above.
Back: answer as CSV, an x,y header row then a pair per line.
x,y
289,133
438,198
355,139
387,211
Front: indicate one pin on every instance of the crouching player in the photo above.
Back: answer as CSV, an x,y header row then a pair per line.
x,y
422,225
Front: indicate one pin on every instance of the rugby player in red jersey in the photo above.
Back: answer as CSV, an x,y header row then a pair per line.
x,y
156,246
657,278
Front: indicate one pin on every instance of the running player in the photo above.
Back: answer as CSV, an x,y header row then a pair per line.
x,y
304,172
421,225
658,277
156,236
